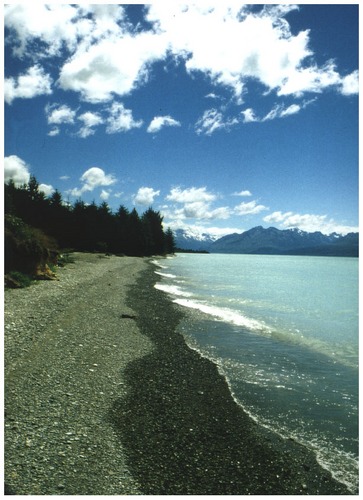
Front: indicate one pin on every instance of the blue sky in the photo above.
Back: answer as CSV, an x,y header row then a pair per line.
x,y
220,116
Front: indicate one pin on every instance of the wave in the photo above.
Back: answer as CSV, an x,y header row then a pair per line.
x,y
224,314
157,263
339,354
343,466
165,275
172,289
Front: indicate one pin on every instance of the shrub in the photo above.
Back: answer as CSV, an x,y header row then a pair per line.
x,y
26,248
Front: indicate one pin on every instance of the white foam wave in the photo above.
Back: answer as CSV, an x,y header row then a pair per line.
x,y
157,263
165,275
224,314
172,289
344,470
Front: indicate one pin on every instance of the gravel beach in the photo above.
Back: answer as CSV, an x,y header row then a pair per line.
x,y
103,397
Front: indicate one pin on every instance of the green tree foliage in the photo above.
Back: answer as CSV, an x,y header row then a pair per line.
x,y
89,227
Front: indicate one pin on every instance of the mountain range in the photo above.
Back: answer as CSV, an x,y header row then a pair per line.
x,y
271,241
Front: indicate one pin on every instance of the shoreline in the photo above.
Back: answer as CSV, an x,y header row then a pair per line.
x,y
185,434
104,397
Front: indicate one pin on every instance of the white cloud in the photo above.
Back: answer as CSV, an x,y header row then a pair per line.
x,y
277,217
55,131
105,194
196,205
230,44
249,116
54,24
159,122
243,193
198,231
16,169
116,64
202,210
278,111
190,195
213,120
145,196
308,222
250,208
212,95
92,178
47,189
90,120
310,79
58,114
64,177
291,110
120,119
28,85
350,84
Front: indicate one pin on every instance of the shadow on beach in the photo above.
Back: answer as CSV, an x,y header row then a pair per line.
x,y
181,429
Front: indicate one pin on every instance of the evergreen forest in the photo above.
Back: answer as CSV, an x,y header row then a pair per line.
x,y
33,220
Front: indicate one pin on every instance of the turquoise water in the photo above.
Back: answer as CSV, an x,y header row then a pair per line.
x,y
283,330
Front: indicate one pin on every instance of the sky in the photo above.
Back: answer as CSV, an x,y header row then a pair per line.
x,y
221,117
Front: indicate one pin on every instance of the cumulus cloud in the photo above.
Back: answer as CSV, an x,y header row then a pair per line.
x,y
158,122
105,194
47,189
196,204
55,131
16,169
114,65
243,193
229,44
202,210
199,230
308,222
92,178
190,195
58,114
249,116
28,85
54,24
250,208
90,120
257,45
146,196
350,84
120,119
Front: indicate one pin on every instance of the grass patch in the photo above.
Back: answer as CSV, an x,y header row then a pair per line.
x,y
19,279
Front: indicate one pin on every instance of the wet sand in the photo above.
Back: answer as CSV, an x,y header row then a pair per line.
x,y
184,433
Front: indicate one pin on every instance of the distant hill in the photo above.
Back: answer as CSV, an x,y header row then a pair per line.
x,y
272,241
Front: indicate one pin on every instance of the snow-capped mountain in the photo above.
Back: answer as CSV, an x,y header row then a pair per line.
x,y
193,239
259,240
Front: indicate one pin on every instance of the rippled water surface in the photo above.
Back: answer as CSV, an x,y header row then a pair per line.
x,y
284,332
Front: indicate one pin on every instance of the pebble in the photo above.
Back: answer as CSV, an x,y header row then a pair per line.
x,y
39,401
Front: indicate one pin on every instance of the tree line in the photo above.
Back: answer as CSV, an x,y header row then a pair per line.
x,y
89,227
